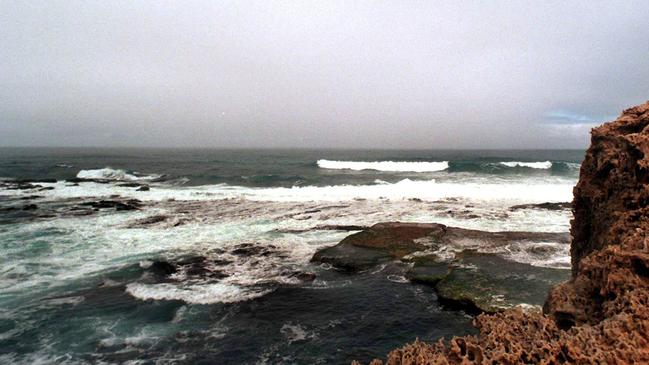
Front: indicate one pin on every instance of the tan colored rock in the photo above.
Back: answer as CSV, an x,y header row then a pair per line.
x,y
600,316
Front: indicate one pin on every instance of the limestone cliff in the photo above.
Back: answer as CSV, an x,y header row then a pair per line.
x,y
601,315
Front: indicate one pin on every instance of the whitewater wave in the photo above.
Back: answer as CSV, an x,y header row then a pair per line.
x,y
544,165
513,192
108,173
387,166
195,294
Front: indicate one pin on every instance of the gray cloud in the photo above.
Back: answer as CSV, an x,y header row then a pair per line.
x,y
318,74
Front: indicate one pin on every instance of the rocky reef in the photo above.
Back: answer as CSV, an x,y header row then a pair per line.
x,y
601,315
460,264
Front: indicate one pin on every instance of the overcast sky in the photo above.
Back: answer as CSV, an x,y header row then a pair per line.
x,y
379,74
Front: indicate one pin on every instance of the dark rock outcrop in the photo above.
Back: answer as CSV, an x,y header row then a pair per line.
x,y
470,280
544,206
601,315
396,240
130,204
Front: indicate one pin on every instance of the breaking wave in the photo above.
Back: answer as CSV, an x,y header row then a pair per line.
x,y
195,294
514,191
388,166
544,165
108,173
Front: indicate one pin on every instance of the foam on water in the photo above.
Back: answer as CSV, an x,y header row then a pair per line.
x,y
195,294
108,173
59,266
533,165
524,190
387,166
222,216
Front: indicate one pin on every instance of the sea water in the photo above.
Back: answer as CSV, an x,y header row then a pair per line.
x,y
75,283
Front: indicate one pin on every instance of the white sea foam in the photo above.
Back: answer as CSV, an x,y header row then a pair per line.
x,y
387,166
108,173
86,246
543,165
544,254
506,191
195,294
296,333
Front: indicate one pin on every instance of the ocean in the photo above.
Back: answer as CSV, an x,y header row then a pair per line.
x,y
87,235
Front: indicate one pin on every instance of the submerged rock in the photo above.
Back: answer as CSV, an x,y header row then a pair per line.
x,y
162,268
129,185
305,276
131,204
429,272
154,219
492,284
545,206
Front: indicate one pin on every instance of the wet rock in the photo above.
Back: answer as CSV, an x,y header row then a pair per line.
x,y
162,268
31,197
339,227
195,267
249,249
131,204
492,284
544,206
143,188
129,185
305,276
31,181
76,180
427,271
396,240
351,258
148,221
329,227
22,186
246,249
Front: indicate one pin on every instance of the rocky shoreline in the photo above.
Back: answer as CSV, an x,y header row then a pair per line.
x,y
600,315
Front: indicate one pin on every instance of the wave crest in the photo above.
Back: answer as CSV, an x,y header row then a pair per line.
x,y
543,165
387,166
108,173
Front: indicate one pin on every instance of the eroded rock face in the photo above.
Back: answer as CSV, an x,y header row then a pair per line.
x,y
602,314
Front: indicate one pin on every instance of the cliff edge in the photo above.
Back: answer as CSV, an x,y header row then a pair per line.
x,y
601,315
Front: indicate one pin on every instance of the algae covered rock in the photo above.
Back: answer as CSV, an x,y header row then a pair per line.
x,y
489,283
428,272
350,258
